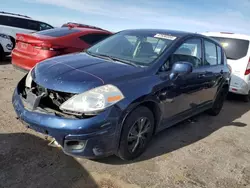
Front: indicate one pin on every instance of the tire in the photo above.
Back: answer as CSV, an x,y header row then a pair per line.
x,y
13,42
1,54
246,98
133,141
218,103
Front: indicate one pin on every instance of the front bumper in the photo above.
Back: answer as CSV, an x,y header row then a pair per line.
x,y
100,134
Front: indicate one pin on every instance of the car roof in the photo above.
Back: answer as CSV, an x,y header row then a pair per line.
x,y
227,35
19,16
15,15
163,31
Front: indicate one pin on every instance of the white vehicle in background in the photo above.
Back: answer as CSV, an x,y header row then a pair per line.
x,y
236,47
5,46
11,24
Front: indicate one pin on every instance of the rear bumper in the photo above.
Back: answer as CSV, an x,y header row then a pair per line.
x,y
243,89
99,134
26,62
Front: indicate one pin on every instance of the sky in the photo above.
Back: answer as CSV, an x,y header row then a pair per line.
x,y
116,15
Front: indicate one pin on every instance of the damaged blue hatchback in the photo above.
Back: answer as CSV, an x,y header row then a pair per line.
x,y
113,97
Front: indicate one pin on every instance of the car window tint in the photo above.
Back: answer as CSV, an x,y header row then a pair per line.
x,y
219,55
234,48
189,51
23,23
44,26
93,37
57,32
210,53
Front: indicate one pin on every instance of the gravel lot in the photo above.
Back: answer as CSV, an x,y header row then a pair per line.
x,y
205,152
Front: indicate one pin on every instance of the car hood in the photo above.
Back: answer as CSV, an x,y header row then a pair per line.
x,y
76,73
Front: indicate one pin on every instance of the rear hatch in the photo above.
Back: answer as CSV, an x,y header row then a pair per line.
x,y
44,41
31,45
237,57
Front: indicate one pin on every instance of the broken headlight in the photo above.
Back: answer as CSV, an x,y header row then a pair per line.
x,y
93,101
28,80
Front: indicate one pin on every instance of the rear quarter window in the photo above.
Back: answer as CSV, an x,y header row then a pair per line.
x,y
93,38
59,32
234,48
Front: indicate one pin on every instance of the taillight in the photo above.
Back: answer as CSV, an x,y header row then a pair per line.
x,y
247,72
47,47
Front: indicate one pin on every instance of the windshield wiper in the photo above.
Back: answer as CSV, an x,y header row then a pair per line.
x,y
112,58
100,55
120,60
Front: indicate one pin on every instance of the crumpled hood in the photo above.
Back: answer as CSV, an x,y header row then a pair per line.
x,y
76,73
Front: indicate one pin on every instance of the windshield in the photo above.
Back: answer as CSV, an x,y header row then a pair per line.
x,y
234,48
141,48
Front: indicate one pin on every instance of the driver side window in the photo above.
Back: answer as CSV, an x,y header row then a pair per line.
x,y
189,51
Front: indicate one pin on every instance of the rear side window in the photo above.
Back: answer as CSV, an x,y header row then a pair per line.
x,y
234,48
210,53
219,55
93,38
58,32
23,23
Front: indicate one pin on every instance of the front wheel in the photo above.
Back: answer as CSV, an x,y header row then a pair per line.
x,y
136,134
218,103
246,98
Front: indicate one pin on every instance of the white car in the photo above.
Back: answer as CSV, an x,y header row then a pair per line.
x,y
237,50
11,24
5,46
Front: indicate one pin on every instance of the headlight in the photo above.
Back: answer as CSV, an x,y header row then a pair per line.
x,y
28,80
94,100
4,36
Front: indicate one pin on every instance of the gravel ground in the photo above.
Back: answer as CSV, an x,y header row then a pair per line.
x,y
204,152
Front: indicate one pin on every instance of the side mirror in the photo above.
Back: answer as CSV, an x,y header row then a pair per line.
x,y
181,68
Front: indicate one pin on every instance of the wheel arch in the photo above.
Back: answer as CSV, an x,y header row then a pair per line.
x,y
151,104
13,40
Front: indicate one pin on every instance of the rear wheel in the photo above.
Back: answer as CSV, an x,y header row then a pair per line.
x,y
246,98
13,42
1,53
136,134
218,103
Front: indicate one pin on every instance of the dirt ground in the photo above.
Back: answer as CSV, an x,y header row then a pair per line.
x,y
205,152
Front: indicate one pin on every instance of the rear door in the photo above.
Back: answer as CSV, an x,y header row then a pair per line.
x,y
237,57
212,70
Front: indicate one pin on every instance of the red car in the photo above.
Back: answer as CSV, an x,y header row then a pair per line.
x,y
32,48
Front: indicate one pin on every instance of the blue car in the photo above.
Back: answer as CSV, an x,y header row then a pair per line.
x,y
113,97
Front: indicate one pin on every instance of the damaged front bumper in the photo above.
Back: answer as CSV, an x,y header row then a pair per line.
x,y
91,137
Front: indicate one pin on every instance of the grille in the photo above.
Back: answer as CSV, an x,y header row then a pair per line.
x,y
52,98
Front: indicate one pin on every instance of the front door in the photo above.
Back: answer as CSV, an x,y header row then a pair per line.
x,y
183,93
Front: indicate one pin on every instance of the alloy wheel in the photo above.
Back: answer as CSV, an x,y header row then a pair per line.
x,y
138,134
